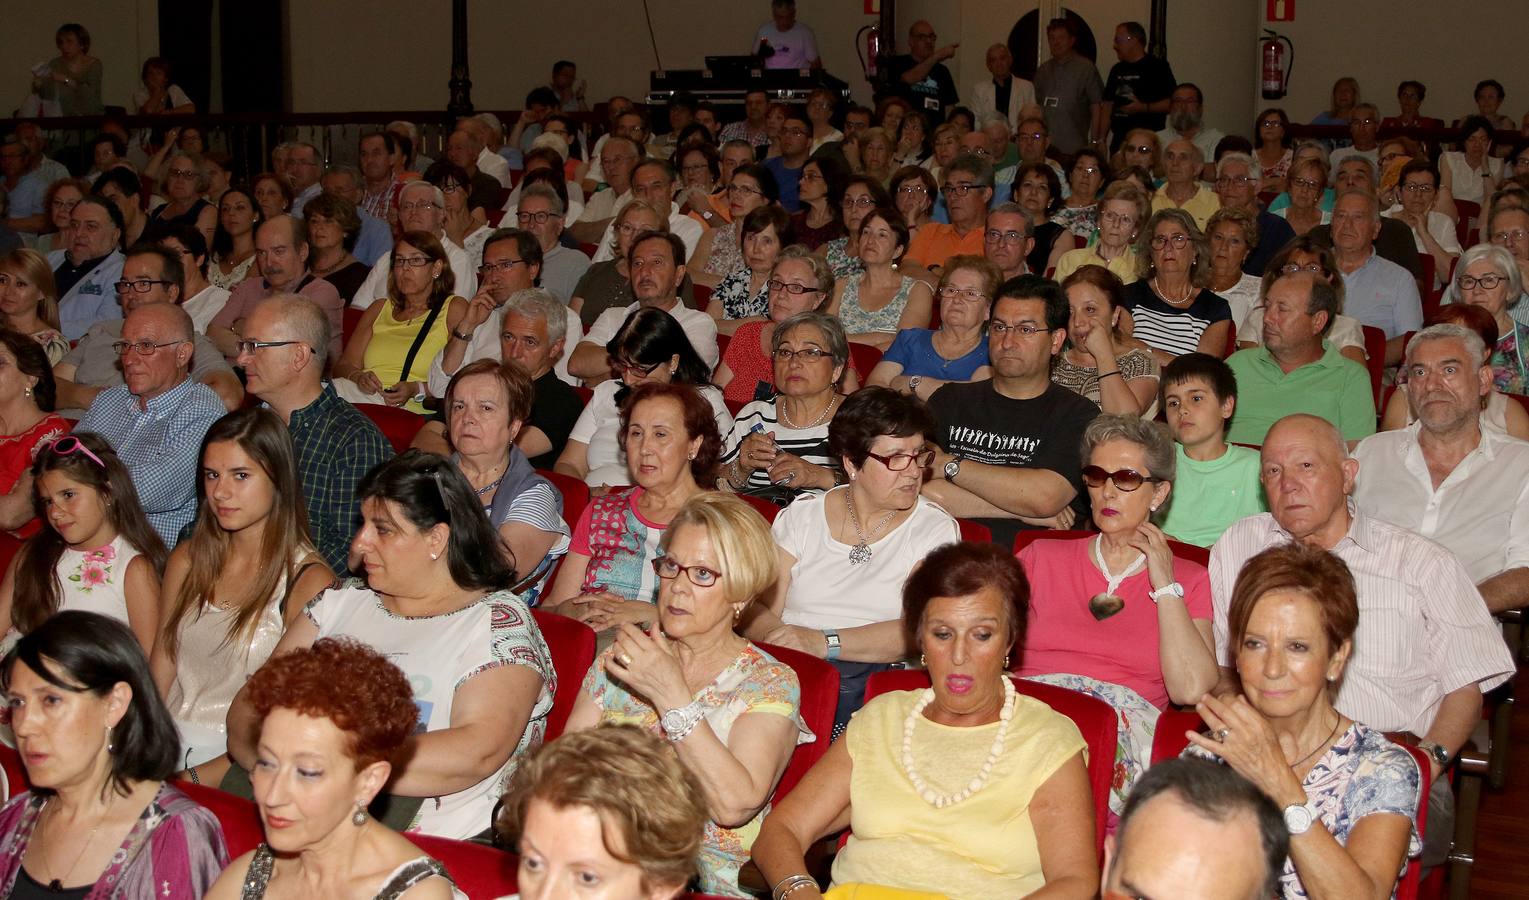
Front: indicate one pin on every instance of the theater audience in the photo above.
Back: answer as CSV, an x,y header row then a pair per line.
x,y
719,252
1217,483
29,301
85,272
968,190
881,301
282,252
744,293
927,816
200,298
861,195
1121,208
875,147
272,194
1487,277
1008,240
233,241
334,443
375,235
351,730
99,747
1498,412
730,710
922,360
431,582
1103,363
799,282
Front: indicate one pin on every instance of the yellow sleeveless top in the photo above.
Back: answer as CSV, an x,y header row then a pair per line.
x,y
390,343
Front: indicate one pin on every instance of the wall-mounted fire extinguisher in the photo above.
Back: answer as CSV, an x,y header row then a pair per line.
x,y
868,47
1278,55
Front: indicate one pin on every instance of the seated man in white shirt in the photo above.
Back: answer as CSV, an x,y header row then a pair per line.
x,y
486,130
421,207
657,268
654,180
1446,477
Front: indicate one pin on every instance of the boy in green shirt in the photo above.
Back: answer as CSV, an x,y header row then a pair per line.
x,y
1217,483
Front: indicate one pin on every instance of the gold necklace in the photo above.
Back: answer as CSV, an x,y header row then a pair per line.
x,y
56,884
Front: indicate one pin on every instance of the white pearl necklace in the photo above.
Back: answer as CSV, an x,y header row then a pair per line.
x,y
929,795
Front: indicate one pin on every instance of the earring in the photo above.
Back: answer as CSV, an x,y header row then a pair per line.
x,y
690,457
435,556
358,818
1006,660
26,392
923,661
110,746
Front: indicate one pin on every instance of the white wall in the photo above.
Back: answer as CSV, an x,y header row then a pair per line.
x,y
122,34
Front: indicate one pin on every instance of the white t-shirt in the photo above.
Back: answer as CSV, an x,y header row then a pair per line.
x,y
826,591
205,305
1443,231
699,326
1465,182
794,48
599,427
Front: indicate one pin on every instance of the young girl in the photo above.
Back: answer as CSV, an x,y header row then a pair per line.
x,y
98,553
234,585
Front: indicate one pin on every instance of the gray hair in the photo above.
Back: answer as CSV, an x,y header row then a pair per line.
x,y
546,193
1199,155
435,192
303,321
407,127
349,171
198,165
1360,160
821,272
1368,195
495,128
1238,157
540,303
1146,268
304,145
1152,437
831,328
1010,208
1498,257
978,168
1448,331
1318,146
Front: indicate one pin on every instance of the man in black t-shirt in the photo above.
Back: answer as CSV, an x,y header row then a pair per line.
x,y
1010,446
920,77
1140,87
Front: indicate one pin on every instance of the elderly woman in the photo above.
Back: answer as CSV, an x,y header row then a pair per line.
x,y
700,167
58,203
1039,191
29,301
1117,615
719,252
649,347
744,293
487,404
1350,796
1141,149
186,183
344,711
1274,148
1102,362
881,301
1471,173
861,195
99,819
877,159
800,282
965,789
1307,184
947,146
466,226
333,228
778,448
729,709
389,353
1487,277
121,187
1171,309
613,802
27,410
820,192
913,193
71,81
1306,254
1233,233
845,554
607,284
1120,210
1079,214
432,581
921,360
672,441
273,194
233,242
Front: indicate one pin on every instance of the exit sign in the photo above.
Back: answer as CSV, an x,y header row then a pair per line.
x,y
1281,11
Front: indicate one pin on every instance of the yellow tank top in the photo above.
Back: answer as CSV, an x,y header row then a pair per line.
x,y
390,343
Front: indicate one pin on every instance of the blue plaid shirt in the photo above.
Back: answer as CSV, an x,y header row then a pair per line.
x,y
160,446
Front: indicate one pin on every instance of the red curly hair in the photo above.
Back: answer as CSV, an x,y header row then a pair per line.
x,y
348,683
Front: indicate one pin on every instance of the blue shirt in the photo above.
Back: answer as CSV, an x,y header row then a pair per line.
x,y
29,196
1383,294
376,238
92,299
913,349
789,181
160,446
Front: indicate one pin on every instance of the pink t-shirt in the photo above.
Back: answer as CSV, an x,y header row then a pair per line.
x,y
1064,637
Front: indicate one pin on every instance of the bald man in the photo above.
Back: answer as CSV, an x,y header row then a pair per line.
x,y
920,76
1002,94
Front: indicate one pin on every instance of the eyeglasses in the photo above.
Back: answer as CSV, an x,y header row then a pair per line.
x,y
621,367
1179,241
667,567
1309,268
506,267
1239,180
794,290
536,218
1502,237
994,236
252,346
1485,282
1110,218
65,446
898,462
744,190
1418,188
451,187
850,202
1085,170
139,285
65,205
411,262
952,293
418,207
794,132
999,329
911,189
1307,183
807,354
1362,122
182,173
142,348
960,190
1125,479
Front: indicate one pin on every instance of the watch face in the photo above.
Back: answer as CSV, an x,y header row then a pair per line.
x,y
673,720
1298,819
951,468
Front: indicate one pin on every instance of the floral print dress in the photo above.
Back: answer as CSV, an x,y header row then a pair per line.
x,y
96,580
1510,367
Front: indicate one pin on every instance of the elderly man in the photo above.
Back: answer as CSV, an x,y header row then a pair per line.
x,y
379,195
657,267
281,252
1008,239
541,213
156,419
421,207
1237,188
1378,292
85,273
532,330
1196,830
1426,647
376,238
1183,189
1003,94
616,107
967,192
1008,446
653,180
151,273
26,187
1448,478
1395,241
334,443
304,166
1364,128
618,158
795,149
462,150
1139,90
1186,121
488,133
1069,90
920,76
751,128
1296,369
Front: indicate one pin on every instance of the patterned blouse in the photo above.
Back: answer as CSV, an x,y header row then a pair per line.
x,y
859,321
840,262
1133,364
726,250
754,683
1082,221
733,293
1510,368
621,546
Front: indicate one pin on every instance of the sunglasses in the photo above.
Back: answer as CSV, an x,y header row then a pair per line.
x,y
1125,479
66,446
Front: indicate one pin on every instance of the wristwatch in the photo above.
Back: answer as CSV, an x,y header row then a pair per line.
x,y
913,382
1435,751
953,468
679,722
460,336
1172,589
1298,818
832,636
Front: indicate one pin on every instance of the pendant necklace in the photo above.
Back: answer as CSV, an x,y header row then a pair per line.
x,y
861,552
1104,605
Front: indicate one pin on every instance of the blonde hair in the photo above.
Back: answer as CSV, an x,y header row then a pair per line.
x,y
739,534
33,267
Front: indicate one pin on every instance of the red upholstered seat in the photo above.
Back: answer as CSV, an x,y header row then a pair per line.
x,y
399,426
575,494
762,506
864,358
349,319
242,828
1169,741
820,696
975,532
478,870
573,650
1375,358
1407,888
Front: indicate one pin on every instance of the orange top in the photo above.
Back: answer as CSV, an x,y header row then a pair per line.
x,y
936,243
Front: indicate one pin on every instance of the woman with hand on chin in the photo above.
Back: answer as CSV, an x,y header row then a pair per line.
x,y
1350,796
730,710
1101,362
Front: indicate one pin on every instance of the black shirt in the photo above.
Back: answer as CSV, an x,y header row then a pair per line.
x,y
1395,243
67,275
1001,92
932,96
1149,80
484,193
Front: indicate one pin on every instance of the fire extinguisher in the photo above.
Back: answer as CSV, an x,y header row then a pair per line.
x,y
1277,64
868,47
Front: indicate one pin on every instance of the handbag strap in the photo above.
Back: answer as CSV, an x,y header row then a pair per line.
x,y
419,338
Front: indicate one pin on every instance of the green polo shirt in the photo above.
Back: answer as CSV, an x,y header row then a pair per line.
x,y
1333,387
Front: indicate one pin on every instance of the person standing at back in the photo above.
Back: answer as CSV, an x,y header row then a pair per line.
x,y
1069,90
1139,90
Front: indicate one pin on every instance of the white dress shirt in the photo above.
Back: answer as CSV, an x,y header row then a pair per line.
x,y
699,326
376,284
207,303
491,163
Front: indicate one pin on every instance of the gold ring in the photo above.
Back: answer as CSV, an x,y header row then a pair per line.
x,y
625,659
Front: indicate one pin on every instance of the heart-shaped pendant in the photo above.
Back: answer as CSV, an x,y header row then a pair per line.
x,y
1102,606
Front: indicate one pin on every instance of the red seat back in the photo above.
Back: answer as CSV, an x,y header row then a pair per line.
x,y
588,249
478,870
242,829
735,406
1375,357
1169,741
864,358
1095,719
15,773
349,319
976,532
820,696
573,651
585,395
1407,888
722,342
399,426
702,296
575,494
762,506
1466,223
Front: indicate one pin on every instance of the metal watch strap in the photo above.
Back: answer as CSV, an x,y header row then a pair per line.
x,y
834,647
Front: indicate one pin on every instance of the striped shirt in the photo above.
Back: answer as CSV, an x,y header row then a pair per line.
x,y
811,444
1167,328
1424,630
